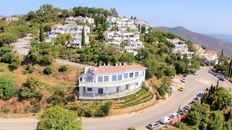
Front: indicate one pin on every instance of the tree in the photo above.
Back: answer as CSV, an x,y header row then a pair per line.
x,y
7,89
216,121
58,118
41,33
48,70
114,12
230,69
83,37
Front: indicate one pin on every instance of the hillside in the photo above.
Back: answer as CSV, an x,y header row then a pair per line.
x,y
223,37
204,40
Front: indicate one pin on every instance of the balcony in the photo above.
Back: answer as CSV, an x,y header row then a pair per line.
x,y
113,83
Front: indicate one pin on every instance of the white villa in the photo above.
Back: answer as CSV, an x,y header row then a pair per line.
x,y
117,37
108,82
180,47
74,30
208,56
123,23
79,19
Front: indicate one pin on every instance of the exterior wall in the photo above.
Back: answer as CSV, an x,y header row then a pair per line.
x,y
111,89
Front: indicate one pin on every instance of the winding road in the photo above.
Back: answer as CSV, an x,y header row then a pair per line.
x,y
139,119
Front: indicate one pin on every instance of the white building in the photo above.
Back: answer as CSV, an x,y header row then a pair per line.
x,y
123,23
180,47
210,57
74,30
108,82
79,19
117,37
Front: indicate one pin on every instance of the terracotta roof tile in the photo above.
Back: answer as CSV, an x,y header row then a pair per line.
x,y
116,69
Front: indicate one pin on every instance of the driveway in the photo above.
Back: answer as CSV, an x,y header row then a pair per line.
x,y
139,119
22,45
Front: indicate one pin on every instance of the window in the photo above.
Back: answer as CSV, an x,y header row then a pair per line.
x,y
114,78
125,75
127,86
106,78
136,84
119,77
100,79
136,74
131,75
89,89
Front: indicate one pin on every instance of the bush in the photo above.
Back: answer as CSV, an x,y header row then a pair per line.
x,y
103,110
63,68
48,70
25,93
7,89
56,98
28,69
32,83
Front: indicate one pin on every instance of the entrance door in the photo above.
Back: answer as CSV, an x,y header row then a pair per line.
x,y
100,90
118,89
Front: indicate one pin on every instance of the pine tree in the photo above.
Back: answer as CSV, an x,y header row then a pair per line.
x,y
41,33
83,37
222,53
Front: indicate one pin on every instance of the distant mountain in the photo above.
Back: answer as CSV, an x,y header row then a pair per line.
x,y
1,16
223,37
201,39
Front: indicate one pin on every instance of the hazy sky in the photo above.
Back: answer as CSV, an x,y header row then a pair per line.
x,y
204,16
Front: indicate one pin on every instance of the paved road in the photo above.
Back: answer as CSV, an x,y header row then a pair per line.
x,y
140,119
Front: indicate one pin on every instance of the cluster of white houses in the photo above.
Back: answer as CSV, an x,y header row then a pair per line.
x,y
79,19
121,29
108,82
74,30
208,56
180,47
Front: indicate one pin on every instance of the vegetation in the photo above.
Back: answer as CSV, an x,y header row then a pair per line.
x,y
63,68
7,89
210,114
59,118
48,70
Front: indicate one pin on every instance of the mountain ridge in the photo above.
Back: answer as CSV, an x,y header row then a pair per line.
x,y
201,39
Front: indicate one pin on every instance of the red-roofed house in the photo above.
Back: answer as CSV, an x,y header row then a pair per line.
x,y
107,82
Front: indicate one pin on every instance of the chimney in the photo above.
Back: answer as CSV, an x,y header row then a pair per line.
x,y
120,64
116,64
104,64
108,64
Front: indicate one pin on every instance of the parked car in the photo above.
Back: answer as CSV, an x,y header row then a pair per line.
x,y
185,75
183,80
181,89
165,120
153,125
188,107
174,115
200,94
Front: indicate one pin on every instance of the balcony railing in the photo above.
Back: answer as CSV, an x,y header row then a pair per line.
x,y
112,83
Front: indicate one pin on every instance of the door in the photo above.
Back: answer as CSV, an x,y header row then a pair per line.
x,y
118,89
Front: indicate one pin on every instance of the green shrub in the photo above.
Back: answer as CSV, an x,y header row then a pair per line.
x,y
103,110
63,68
7,89
25,93
48,70
28,69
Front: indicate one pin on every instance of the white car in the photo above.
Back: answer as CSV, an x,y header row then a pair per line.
x,y
174,115
165,120
153,125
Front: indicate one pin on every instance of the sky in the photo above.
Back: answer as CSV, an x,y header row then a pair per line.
x,y
203,16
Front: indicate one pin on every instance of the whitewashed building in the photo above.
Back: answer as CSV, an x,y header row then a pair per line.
x,y
117,37
74,30
123,23
208,56
180,47
79,19
108,82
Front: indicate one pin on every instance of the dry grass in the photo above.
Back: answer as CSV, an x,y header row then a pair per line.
x,y
65,81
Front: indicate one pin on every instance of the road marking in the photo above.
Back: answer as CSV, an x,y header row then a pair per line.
x,y
203,81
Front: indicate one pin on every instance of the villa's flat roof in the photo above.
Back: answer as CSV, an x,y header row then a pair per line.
x,y
116,69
